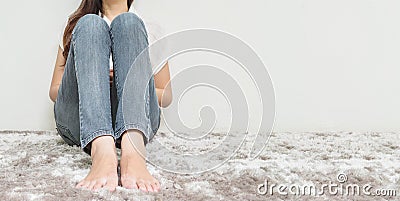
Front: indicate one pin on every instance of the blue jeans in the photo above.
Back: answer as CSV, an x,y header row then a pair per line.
x,y
87,106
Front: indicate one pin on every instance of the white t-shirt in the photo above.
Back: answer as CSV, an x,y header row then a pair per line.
x,y
154,33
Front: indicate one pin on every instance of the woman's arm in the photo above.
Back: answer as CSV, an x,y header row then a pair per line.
x,y
57,75
163,86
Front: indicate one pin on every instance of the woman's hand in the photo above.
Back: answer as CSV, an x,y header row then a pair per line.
x,y
111,76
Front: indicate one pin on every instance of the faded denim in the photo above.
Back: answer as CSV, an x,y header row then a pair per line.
x,y
87,106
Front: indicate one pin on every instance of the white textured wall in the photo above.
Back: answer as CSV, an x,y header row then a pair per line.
x,y
334,64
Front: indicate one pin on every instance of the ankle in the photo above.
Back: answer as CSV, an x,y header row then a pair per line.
x,y
132,136
132,145
132,154
103,144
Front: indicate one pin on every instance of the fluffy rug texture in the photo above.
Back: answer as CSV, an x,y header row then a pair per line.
x,y
40,166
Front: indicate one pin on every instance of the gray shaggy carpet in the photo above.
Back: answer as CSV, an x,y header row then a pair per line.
x,y
40,166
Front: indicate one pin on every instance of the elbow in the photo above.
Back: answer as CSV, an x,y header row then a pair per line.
x,y
53,94
166,101
166,98
52,98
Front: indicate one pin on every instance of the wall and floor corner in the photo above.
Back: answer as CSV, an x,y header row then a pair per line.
x,y
334,64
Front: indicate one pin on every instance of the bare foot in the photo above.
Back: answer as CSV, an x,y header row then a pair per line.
x,y
134,173
103,172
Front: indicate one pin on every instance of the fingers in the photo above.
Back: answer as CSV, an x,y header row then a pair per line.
x,y
111,75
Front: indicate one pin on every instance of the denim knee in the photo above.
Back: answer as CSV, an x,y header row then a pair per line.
x,y
91,25
127,21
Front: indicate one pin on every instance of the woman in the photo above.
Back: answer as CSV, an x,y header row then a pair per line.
x,y
88,94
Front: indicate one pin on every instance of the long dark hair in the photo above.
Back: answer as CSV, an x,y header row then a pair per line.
x,y
86,7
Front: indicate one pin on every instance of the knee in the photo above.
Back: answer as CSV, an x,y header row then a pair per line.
x,y
90,24
127,21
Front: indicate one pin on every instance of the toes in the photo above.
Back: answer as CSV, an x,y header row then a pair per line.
x,y
129,184
149,187
99,184
111,185
155,188
84,184
142,186
91,185
110,188
80,184
156,185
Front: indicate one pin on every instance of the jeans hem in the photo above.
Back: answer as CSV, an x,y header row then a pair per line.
x,y
143,129
92,136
